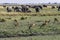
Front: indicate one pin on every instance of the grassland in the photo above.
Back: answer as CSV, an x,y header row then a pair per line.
x,y
43,11
7,28
51,37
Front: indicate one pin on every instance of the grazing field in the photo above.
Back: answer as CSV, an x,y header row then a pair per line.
x,y
44,25
8,28
43,11
51,37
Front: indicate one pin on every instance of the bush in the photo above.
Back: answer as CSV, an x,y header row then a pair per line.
x,y
53,7
2,20
16,22
4,6
44,5
23,18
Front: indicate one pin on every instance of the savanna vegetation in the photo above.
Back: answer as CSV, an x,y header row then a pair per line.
x,y
44,25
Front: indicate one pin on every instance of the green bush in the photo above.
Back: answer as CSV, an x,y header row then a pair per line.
x,y
2,20
23,18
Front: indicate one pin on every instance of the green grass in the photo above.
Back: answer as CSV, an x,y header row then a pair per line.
x,y
8,28
53,37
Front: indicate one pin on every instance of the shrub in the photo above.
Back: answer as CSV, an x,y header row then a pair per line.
x,y
16,22
44,5
53,7
4,6
2,20
23,18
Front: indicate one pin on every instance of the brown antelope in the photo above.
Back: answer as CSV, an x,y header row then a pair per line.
x,y
45,23
31,25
